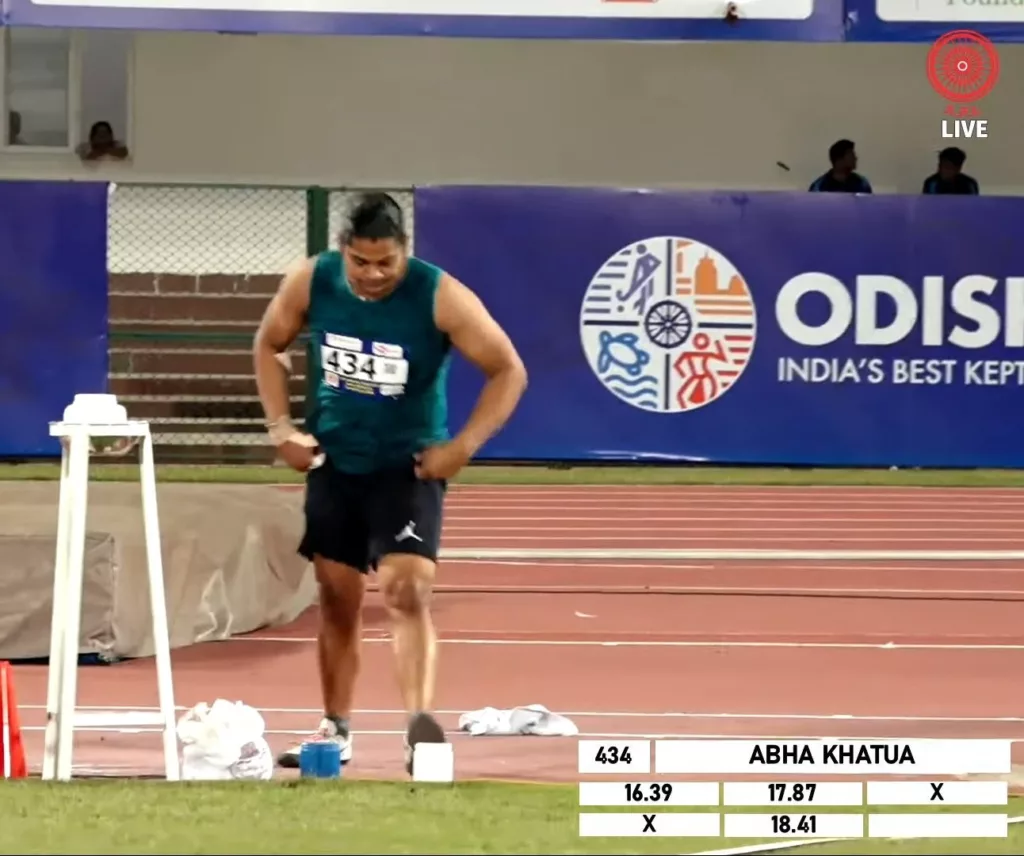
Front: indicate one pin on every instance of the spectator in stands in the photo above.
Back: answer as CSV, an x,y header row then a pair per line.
x,y
949,178
14,128
843,177
102,144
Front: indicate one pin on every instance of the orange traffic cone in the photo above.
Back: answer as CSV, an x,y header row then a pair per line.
x,y
12,749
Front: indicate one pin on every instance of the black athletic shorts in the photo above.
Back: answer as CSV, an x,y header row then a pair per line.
x,y
357,519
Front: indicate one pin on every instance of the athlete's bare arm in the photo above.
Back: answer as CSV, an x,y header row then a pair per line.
x,y
282,322
482,341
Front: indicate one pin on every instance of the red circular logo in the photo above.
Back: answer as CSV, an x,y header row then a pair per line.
x,y
963,66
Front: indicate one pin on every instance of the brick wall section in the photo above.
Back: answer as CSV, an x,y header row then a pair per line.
x,y
169,303
229,332
145,362
228,308
173,283
154,331
222,413
186,307
198,386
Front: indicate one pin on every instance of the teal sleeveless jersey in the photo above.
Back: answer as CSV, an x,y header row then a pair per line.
x,y
377,370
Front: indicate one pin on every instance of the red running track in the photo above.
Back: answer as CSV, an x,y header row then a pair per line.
x,y
755,649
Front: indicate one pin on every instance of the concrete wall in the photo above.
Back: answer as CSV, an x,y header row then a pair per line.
x,y
378,111
396,112
405,111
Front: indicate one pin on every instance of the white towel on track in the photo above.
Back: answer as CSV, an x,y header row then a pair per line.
x,y
532,719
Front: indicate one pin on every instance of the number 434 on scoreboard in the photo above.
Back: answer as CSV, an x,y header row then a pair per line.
x,y
620,756
613,755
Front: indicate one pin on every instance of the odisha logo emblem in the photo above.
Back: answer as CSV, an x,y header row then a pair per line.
x,y
963,66
668,324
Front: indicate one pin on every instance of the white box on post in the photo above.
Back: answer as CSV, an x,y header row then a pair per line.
x,y
87,418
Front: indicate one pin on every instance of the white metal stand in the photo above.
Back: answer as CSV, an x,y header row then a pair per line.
x,y
62,717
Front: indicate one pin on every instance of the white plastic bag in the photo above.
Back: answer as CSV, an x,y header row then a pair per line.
x,y
224,741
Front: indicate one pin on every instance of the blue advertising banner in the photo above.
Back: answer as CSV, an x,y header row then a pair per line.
x,y
774,328
928,20
53,307
660,20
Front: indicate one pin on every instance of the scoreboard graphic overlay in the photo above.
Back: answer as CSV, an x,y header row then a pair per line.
x,y
818,788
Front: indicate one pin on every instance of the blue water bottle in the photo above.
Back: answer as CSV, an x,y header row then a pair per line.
x,y
320,759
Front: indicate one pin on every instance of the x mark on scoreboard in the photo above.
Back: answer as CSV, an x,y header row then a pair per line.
x,y
649,823
937,792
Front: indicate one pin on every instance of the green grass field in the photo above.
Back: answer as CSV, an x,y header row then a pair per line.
x,y
307,817
539,475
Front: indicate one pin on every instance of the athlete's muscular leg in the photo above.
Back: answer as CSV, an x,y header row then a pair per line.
x,y
406,582
338,648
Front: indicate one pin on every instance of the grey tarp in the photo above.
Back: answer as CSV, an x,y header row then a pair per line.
x,y
230,565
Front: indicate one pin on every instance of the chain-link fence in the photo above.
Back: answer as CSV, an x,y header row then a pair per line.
x,y
191,271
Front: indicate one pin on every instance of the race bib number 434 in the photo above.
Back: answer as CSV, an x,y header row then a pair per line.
x,y
372,368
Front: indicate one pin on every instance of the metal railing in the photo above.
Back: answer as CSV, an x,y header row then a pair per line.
x,y
191,270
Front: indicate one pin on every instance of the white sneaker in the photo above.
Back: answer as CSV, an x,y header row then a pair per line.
x,y
327,731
